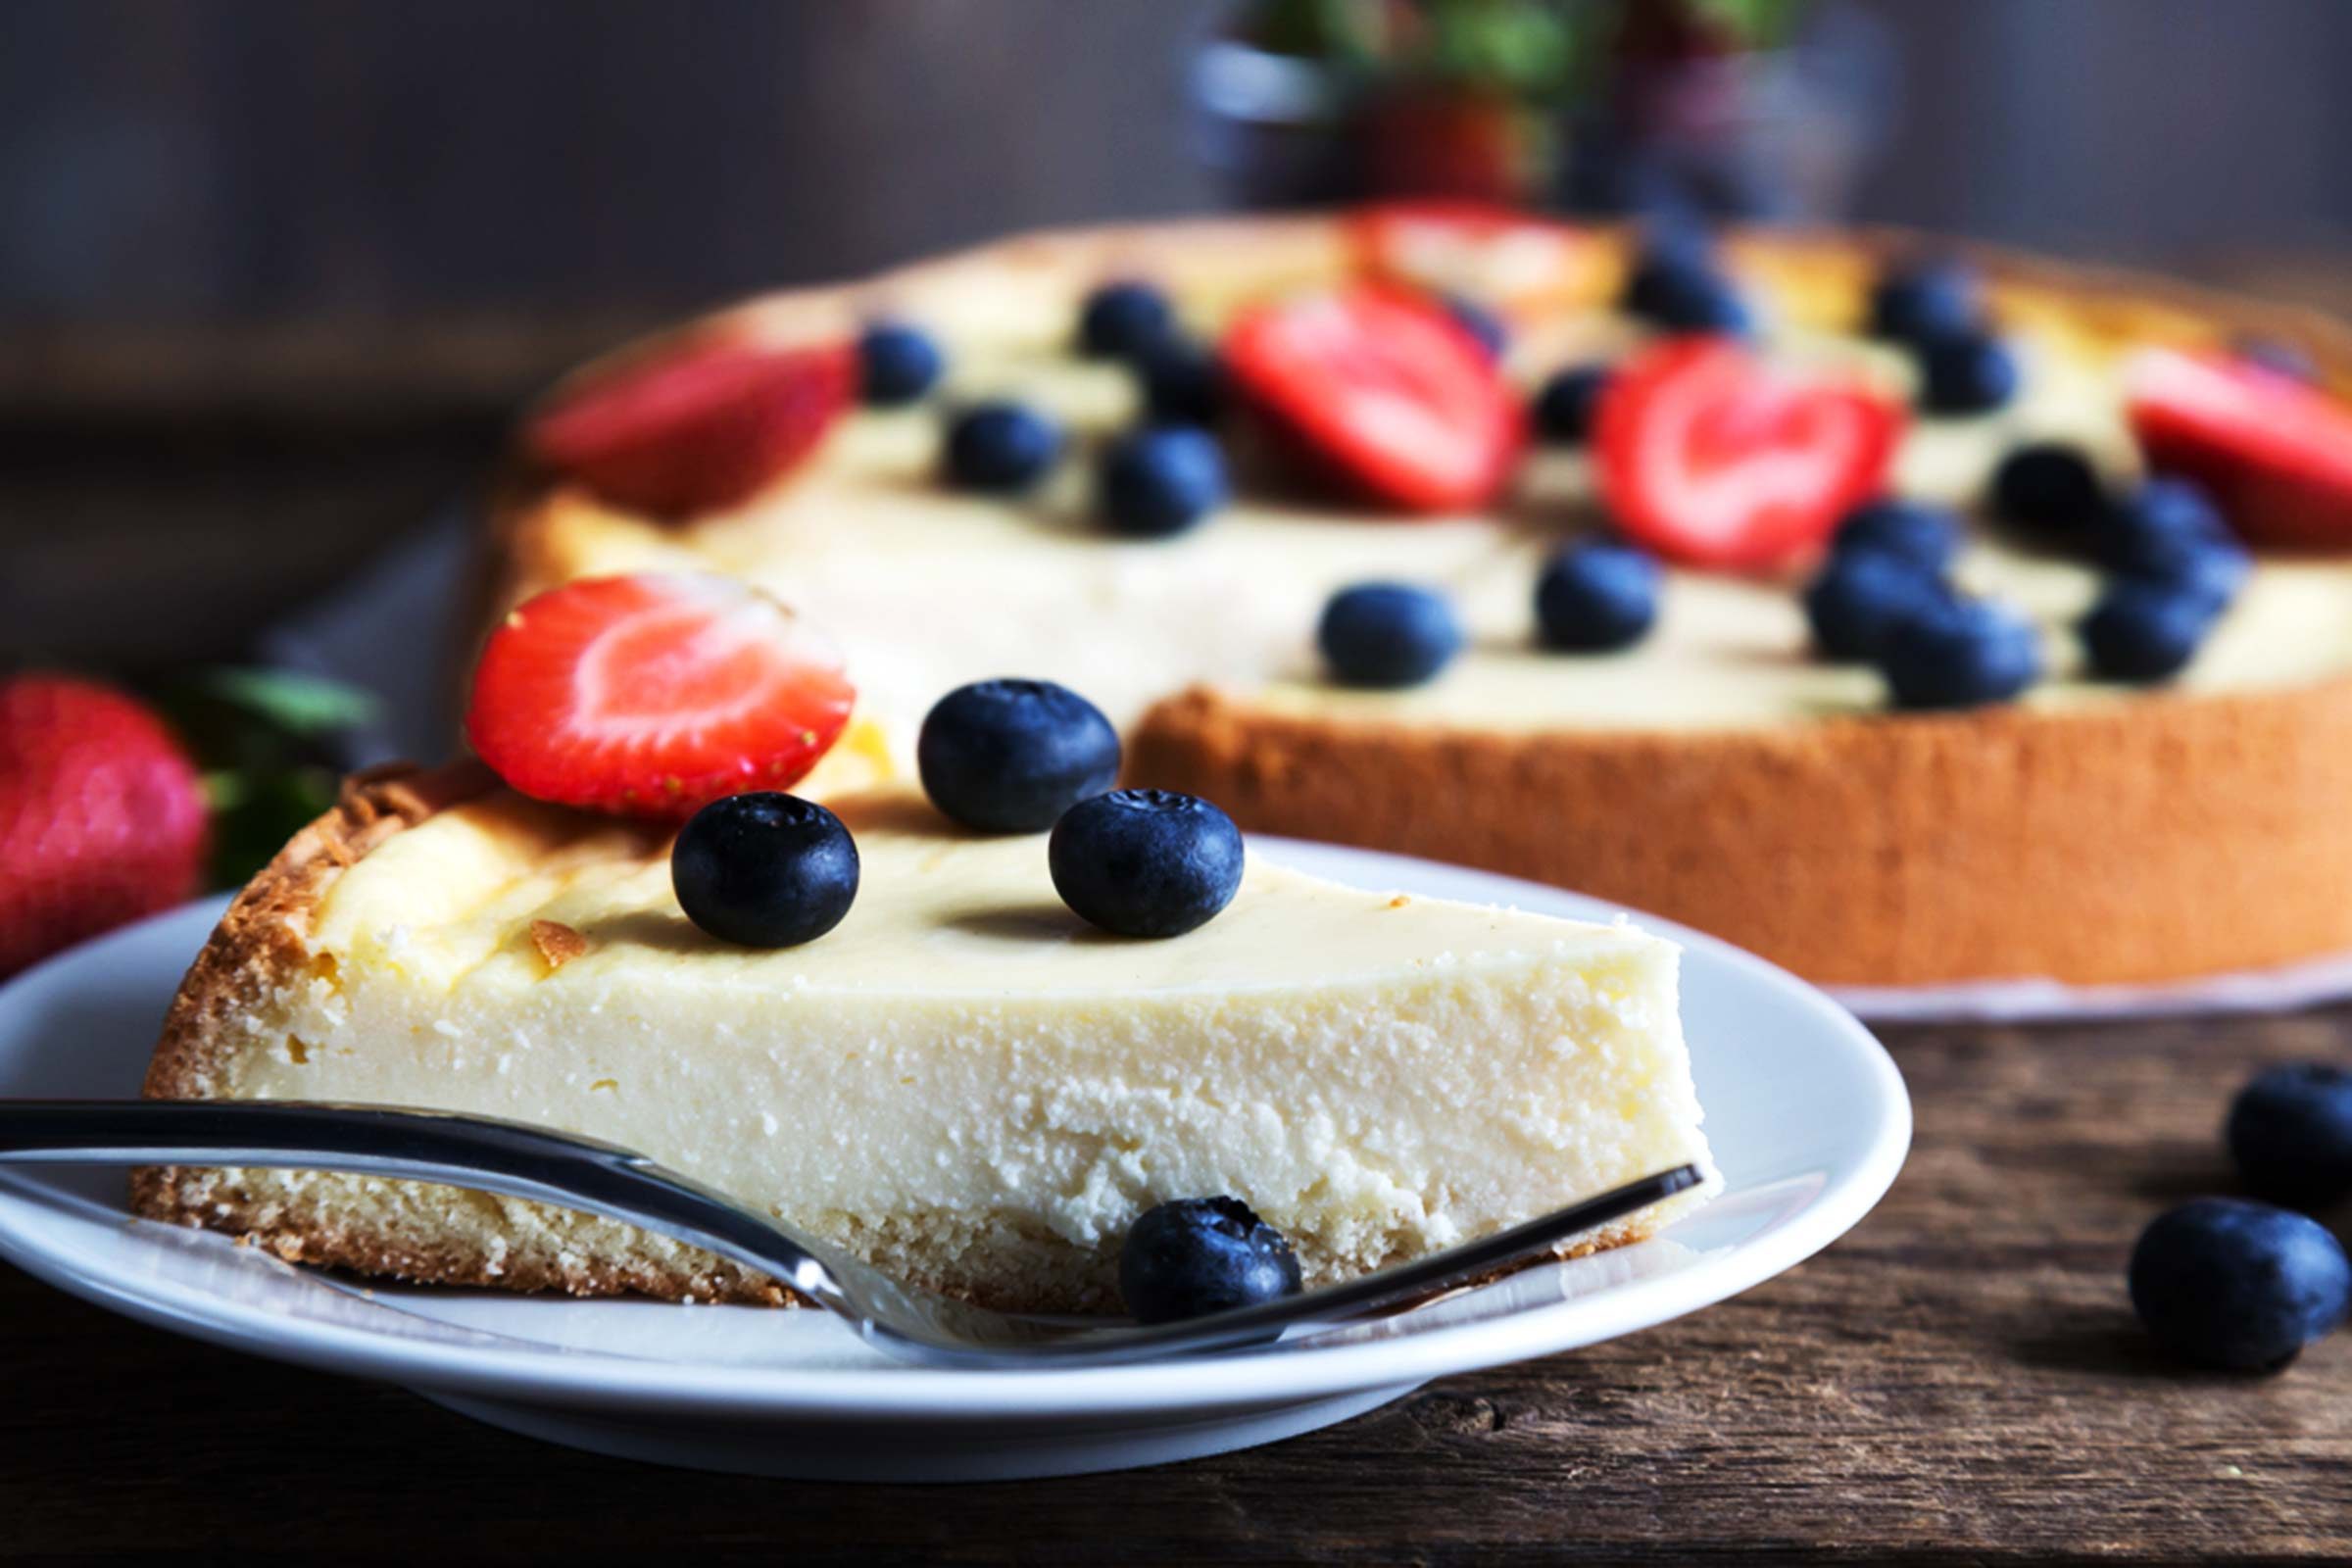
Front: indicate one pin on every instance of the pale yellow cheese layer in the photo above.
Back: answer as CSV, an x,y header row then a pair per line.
x,y
1378,1075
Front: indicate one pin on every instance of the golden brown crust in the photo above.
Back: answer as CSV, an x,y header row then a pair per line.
x,y
2122,842
2163,836
259,948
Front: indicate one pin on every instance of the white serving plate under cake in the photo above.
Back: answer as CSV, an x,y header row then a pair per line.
x,y
1806,1111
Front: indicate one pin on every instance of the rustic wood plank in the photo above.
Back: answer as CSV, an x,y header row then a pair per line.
x,y
1960,1380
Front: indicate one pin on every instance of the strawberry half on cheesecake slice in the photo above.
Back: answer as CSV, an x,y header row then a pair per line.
x,y
962,1080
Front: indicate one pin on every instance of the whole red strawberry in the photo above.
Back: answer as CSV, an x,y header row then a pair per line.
x,y
102,817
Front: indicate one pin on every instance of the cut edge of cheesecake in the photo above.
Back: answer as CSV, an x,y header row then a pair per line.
x,y
262,952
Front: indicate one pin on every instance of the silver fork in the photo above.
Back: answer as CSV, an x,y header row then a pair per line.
x,y
583,1173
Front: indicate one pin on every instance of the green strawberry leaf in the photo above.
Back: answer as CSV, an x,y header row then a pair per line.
x,y
298,703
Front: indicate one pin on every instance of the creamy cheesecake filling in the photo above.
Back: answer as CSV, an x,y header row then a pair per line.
x,y
963,1079
927,587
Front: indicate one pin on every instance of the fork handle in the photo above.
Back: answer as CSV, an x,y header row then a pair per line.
x,y
482,1153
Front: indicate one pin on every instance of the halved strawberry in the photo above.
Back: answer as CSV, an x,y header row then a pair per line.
x,y
2275,453
655,694
698,429
1382,388
1500,254
1712,458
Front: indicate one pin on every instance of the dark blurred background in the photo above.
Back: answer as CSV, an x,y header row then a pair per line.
x,y
274,272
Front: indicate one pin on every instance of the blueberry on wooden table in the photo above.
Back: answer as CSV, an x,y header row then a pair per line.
x,y
2238,1284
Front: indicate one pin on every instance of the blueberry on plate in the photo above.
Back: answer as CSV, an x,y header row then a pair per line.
x,y
1011,756
2050,487
2142,630
1162,480
1974,372
1921,302
1960,652
1001,448
1182,383
1927,537
1566,403
764,869
1592,596
1676,294
897,364
1198,1255
2238,1284
1480,324
1862,595
1387,634
2290,1133
1145,862
2168,532
1121,320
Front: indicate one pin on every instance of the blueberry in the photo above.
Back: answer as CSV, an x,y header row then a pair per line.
x,y
2050,488
1001,448
1923,303
1679,295
1011,756
1388,634
1145,862
1122,320
1863,596
1565,405
2290,1133
1198,1255
764,869
897,364
2141,630
1971,373
1596,596
1161,481
1960,652
2168,532
1676,234
1928,537
1182,383
2280,358
2239,1285
1480,324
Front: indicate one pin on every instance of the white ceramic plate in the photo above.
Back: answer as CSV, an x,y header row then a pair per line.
x,y
1807,1112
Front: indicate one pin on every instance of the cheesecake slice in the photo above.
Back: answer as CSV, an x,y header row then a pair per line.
x,y
963,1082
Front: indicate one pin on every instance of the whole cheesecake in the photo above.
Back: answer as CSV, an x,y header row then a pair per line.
x,y
962,1083
1720,771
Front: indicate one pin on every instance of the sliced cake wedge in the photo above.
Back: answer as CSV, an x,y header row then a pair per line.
x,y
961,1082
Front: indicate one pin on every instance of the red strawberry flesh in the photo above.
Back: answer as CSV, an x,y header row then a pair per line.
x,y
698,431
1382,389
2274,454
654,695
1714,459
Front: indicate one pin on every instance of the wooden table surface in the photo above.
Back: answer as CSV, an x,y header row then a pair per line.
x,y
1959,1380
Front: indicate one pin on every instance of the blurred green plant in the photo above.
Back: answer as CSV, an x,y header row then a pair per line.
x,y
1532,48
268,742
